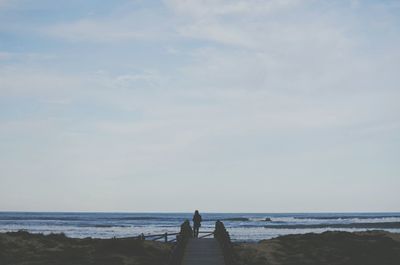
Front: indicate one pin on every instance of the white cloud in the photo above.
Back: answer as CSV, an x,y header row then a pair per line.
x,y
26,57
125,25
267,27
137,81
198,19
212,8
212,30
25,81
97,31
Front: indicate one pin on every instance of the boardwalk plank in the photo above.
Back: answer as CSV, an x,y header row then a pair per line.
x,y
204,251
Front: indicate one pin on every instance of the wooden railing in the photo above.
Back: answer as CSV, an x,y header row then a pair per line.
x,y
206,234
186,232
182,238
222,235
166,237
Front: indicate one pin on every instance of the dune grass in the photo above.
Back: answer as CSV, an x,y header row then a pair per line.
x,y
23,248
330,248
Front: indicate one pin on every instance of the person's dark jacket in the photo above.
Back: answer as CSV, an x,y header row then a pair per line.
x,y
197,220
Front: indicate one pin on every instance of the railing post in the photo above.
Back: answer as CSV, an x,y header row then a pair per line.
x,y
224,240
166,237
185,233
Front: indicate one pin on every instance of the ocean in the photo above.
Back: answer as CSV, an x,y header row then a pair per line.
x,y
241,226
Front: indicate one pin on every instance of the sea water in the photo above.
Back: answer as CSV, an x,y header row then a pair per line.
x,y
241,226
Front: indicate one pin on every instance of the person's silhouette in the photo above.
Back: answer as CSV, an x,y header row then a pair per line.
x,y
196,223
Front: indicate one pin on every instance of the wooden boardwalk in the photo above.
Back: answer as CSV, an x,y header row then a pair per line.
x,y
205,251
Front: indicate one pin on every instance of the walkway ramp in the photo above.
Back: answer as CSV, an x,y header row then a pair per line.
x,y
205,251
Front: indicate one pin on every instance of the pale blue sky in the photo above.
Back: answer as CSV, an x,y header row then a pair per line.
x,y
250,106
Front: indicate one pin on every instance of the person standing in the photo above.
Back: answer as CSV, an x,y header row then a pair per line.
x,y
196,223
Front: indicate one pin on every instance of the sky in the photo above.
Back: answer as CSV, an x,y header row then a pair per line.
x,y
221,106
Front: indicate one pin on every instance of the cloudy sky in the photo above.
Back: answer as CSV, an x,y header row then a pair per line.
x,y
227,106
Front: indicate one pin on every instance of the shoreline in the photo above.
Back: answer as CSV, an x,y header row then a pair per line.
x,y
242,227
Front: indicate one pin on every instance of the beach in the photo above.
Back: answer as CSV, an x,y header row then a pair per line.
x,y
334,248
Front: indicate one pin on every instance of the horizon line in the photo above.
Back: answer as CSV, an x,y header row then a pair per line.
x,y
206,212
